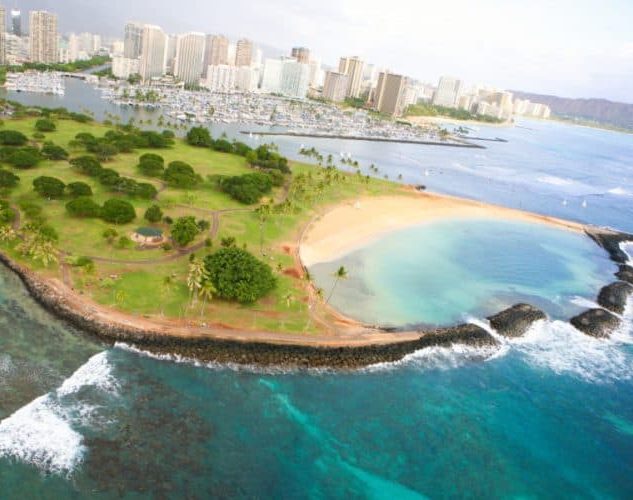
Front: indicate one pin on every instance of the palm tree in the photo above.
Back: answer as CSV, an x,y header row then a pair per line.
x,y
340,274
263,212
206,292
195,277
289,299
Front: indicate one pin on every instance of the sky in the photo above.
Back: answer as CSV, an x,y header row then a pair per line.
x,y
579,48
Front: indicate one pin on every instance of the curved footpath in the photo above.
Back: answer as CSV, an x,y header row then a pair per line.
x,y
348,345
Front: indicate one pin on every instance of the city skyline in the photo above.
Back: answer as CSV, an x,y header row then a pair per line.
x,y
552,49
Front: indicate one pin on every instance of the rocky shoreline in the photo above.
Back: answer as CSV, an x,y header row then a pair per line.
x,y
512,322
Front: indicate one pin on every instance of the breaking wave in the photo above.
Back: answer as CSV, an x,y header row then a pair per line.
x,y
44,432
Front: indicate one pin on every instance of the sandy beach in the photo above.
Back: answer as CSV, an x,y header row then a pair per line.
x,y
434,120
355,224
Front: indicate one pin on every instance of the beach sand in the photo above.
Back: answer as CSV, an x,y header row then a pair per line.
x,y
355,224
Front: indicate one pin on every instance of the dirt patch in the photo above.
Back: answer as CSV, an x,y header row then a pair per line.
x,y
287,249
293,272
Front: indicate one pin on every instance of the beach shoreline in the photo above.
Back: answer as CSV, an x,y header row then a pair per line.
x,y
355,224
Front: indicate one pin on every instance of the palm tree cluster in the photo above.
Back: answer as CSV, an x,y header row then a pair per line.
x,y
199,284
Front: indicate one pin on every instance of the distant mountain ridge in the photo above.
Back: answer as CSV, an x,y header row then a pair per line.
x,y
619,114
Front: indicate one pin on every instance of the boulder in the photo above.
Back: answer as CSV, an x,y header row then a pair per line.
x,y
614,296
625,274
596,322
468,334
516,320
610,240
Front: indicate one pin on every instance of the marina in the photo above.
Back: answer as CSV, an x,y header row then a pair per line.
x,y
36,82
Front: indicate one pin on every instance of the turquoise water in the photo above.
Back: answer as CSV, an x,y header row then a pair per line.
x,y
456,269
547,416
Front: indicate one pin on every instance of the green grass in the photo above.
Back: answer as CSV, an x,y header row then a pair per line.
x,y
138,289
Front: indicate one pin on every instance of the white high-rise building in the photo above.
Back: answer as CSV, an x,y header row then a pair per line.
x,y
123,67
221,78
116,48
271,77
246,78
154,46
243,52
133,40
316,73
295,79
448,92
43,37
3,37
189,57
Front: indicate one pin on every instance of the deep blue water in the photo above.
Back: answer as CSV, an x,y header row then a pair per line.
x,y
548,416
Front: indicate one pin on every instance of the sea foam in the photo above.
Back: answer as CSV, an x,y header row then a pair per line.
x,y
43,434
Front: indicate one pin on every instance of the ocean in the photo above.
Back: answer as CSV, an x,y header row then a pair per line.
x,y
549,415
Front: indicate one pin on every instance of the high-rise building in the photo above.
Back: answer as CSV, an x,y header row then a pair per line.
x,y
153,44
335,86
295,79
448,92
3,37
221,78
389,95
316,73
16,22
216,51
353,68
123,67
170,54
246,78
132,41
301,54
116,48
16,49
189,57
271,77
43,37
243,52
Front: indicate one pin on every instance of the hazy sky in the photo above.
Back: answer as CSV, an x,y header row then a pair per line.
x,y
575,48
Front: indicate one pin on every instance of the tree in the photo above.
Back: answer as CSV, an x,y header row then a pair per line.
x,y
8,179
104,151
195,277
238,275
263,213
200,137
341,273
110,234
181,175
45,125
53,152
247,188
87,165
145,190
76,189
83,206
184,230
12,138
118,211
206,292
25,158
49,187
153,214
151,168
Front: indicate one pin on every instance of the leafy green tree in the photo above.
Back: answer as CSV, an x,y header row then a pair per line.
x,y
49,187
8,179
87,165
45,125
184,230
83,206
200,137
25,158
151,157
53,152
238,275
76,189
118,211
145,190
181,175
153,214
151,168
12,138
247,188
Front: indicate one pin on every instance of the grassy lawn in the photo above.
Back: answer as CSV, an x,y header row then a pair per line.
x,y
140,289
